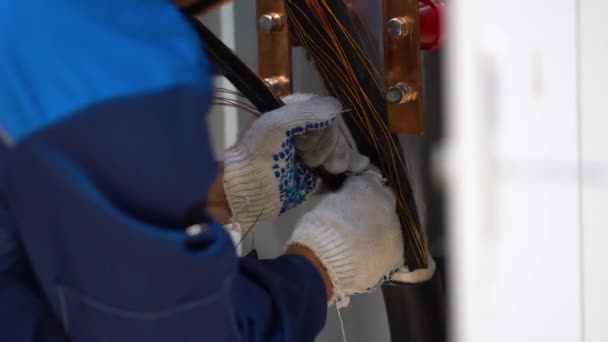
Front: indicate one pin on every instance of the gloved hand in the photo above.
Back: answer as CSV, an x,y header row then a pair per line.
x,y
331,148
269,171
355,234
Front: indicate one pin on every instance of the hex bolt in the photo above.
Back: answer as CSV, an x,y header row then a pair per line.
x,y
399,93
271,22
398,27
277,84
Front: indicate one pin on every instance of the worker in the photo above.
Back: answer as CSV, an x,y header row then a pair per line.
x,y
105,162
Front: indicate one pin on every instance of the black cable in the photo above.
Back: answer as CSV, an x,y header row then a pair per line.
x,y
236,71
199,6
249,84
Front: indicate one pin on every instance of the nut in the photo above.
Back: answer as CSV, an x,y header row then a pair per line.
x,y
277,84
400,93
398,27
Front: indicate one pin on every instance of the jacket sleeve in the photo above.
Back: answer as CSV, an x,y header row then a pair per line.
x,y
279,300
24,313
273,300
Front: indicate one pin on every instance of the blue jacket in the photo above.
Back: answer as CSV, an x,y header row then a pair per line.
x,y
104,103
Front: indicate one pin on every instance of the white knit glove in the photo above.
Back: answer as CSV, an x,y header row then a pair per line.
x,y
264,175
356,235
332,148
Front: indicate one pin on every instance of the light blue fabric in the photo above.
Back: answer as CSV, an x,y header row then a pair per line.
x,y
49,71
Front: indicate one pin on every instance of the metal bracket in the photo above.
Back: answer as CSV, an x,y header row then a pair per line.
x,y
274,46
402,61
402,65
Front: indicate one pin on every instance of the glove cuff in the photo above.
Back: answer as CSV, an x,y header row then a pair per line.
x,y
323,239
404,275
250,193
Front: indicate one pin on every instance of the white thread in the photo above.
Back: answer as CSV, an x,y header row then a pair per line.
x,y
341,324
249,230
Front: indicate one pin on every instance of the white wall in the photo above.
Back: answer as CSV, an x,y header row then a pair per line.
x,y
515,170
594,139
223,120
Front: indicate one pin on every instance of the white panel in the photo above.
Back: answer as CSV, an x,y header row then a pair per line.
x,y
222,121
594,75
513,171
231,125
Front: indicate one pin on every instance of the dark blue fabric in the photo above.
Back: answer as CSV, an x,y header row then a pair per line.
x,y
99,204
106,102
292,314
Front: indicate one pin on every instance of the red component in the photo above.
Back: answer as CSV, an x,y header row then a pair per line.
x,y
431,20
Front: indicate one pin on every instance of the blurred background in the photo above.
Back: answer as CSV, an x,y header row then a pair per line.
x,y
511,175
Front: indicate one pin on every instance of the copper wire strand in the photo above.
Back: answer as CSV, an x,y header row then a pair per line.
x,y
236,102
229,91
229,102
218,58
340,78
352,82
349,88
356,47
312,45
224,104
236,97
355,91
240,98
365,120
375,113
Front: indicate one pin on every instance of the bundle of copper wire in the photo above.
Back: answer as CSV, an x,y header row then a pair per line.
x,y
339,50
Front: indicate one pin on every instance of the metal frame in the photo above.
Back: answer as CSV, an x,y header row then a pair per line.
x,y
402,64
274,46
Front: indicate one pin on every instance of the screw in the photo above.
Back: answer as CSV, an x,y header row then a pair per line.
x,y
271,22
400,93
277,84
398,27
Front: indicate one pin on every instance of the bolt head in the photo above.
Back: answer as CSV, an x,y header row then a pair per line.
x,y
276,84
271,22
398,27
399,93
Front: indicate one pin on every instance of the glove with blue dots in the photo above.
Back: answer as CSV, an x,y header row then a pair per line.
x,y
268,171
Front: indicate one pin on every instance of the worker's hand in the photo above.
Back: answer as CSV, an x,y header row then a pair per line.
x,y
355,234
269,170
328,147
